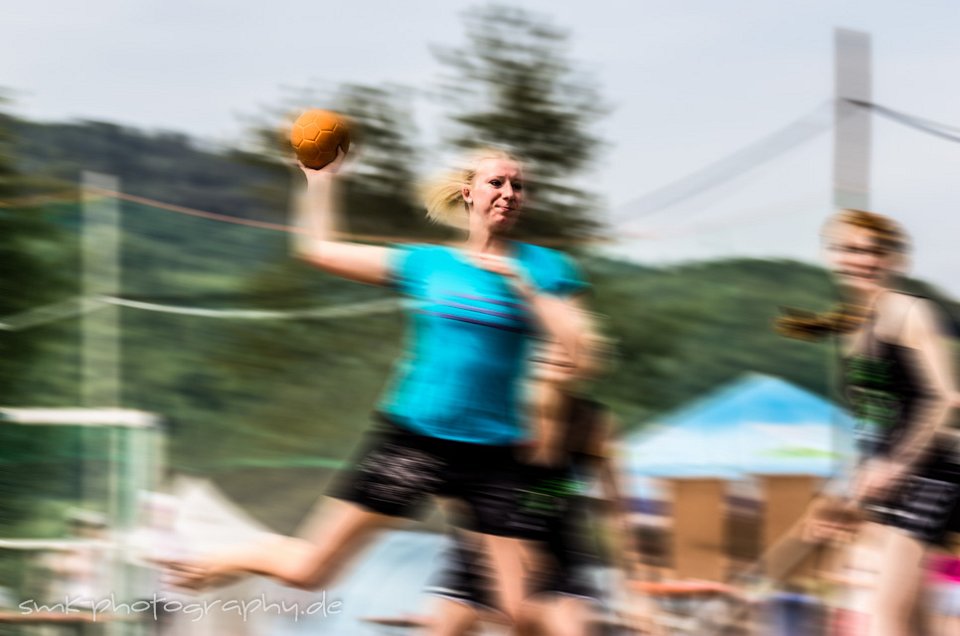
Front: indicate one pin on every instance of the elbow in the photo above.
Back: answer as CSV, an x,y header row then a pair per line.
x,y
302,583
942,401
312,252
953,400
294,562
301,576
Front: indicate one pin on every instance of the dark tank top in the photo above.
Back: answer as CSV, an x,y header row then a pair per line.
x,y
581,422
882,389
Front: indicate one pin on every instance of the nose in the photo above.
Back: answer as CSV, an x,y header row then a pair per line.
x,y
861,259
846,258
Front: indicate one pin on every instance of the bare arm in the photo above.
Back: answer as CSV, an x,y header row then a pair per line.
x,y
315,220
567,321
924,335
546,413
921,334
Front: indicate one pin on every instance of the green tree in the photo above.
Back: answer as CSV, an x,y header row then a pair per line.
x,y
32,259
513,84
32,263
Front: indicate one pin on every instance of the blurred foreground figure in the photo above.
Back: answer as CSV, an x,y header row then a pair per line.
x,y
897,378
572,446
450,423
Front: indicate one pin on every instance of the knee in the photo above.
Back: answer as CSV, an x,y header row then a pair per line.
x,y
525,621
301,565
303,581
567,628
299,577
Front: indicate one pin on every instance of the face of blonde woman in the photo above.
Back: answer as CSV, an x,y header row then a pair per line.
x,y
856,258
496,194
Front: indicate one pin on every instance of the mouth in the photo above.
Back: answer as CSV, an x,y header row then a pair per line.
x,y
548,363
859,275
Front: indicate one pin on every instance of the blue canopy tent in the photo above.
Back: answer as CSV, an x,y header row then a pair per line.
x,y
756,425
769,440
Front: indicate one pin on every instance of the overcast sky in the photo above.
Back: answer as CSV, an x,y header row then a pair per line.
x,y
689,81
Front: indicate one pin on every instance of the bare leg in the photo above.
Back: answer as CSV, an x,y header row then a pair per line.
x,y
510,560
530,620
310,563
898,583
947,625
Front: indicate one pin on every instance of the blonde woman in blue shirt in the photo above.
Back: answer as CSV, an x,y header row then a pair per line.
x,y
449,423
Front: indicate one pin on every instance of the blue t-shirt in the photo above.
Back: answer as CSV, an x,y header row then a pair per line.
x,y
466,353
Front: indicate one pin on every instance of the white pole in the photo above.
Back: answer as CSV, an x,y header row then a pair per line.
x,y
100,387
852,125
100,348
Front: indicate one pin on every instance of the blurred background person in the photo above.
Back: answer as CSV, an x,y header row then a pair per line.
x,y
572,447
897,378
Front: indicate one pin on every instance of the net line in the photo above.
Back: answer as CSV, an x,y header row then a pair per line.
x,y
55,312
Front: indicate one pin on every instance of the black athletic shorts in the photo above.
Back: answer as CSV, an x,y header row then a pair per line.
x,y
546,500
467,576
397,471
549,514
926,504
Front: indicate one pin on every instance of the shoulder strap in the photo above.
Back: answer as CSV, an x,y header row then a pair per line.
x,y
583,423
870,340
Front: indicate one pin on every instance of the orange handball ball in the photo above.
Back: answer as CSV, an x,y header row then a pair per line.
x,y
316,136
